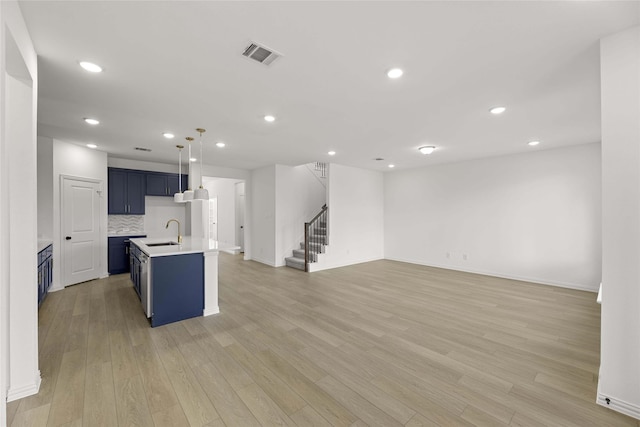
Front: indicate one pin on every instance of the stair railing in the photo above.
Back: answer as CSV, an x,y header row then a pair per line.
x,y
313,237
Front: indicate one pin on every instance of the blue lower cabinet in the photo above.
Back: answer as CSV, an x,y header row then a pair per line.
x,y
45,272
118,250
177,288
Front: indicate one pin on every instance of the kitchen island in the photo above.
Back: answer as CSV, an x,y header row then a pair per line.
x,y
176,281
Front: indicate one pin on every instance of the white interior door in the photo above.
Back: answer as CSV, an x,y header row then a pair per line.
x,y
80,230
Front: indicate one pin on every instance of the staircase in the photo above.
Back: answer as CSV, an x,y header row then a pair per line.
x,y
315,240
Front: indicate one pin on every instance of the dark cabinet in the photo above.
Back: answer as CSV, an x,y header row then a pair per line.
x,y
134,265
119,261
45,272
178,288
164,184
126,192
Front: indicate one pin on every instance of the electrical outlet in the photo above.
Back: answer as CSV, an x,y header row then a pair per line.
x,y
448,254
464,257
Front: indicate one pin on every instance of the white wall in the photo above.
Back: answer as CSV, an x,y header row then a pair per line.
x,y
159,210
300,195
533,216
620,341
356,217
19,375
45,188
76,161
263,219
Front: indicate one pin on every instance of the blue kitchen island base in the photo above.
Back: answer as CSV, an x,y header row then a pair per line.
x,y
178,288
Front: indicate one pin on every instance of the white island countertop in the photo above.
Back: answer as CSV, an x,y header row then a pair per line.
x,y
189,245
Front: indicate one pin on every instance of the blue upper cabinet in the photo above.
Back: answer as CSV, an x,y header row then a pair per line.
x,y
126,192
163,184
157,184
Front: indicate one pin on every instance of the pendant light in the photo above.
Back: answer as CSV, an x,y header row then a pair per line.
x,y
201,193
179,196
188,195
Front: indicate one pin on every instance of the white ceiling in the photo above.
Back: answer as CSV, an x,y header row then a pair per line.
x,y
177,65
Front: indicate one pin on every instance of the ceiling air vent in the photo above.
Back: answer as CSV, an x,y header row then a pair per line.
x,y
260,53
143,149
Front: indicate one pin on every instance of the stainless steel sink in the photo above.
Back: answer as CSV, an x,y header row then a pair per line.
x,y
162,244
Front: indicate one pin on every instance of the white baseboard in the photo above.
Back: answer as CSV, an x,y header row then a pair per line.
x,y
210,311
319,266
263,261
25,390
576,286
619,405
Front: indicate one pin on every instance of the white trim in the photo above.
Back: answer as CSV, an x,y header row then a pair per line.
x,y
262,261
619,405
210,311
576,286
24,391
319,266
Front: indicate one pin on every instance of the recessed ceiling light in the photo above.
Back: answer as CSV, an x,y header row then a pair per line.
x,y
220,144
394,73
168,135
193,159
92,146
331,153
498,110
269,118
533,143
427,149
91,121
91,67
392,166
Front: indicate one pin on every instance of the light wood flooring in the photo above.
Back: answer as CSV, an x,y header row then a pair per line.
x,y
381,344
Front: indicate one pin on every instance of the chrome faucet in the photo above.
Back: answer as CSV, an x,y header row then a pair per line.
x,y
178,222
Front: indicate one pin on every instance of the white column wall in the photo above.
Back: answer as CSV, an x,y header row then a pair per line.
x,y
620,341
263,217
19,374
356,217
532,216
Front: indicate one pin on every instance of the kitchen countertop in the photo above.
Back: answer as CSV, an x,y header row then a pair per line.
x,y
43,243
126,233
189,245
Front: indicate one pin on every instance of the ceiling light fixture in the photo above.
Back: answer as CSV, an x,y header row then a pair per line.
x,y
193,159
394,73
331,153
92,146
533,143
498,110
91,67
168,135
392,166
91,121
220,144
269,118
201,193
188,194
427,149
179,196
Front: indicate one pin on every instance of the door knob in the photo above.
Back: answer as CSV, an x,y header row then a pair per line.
x,y
68,238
